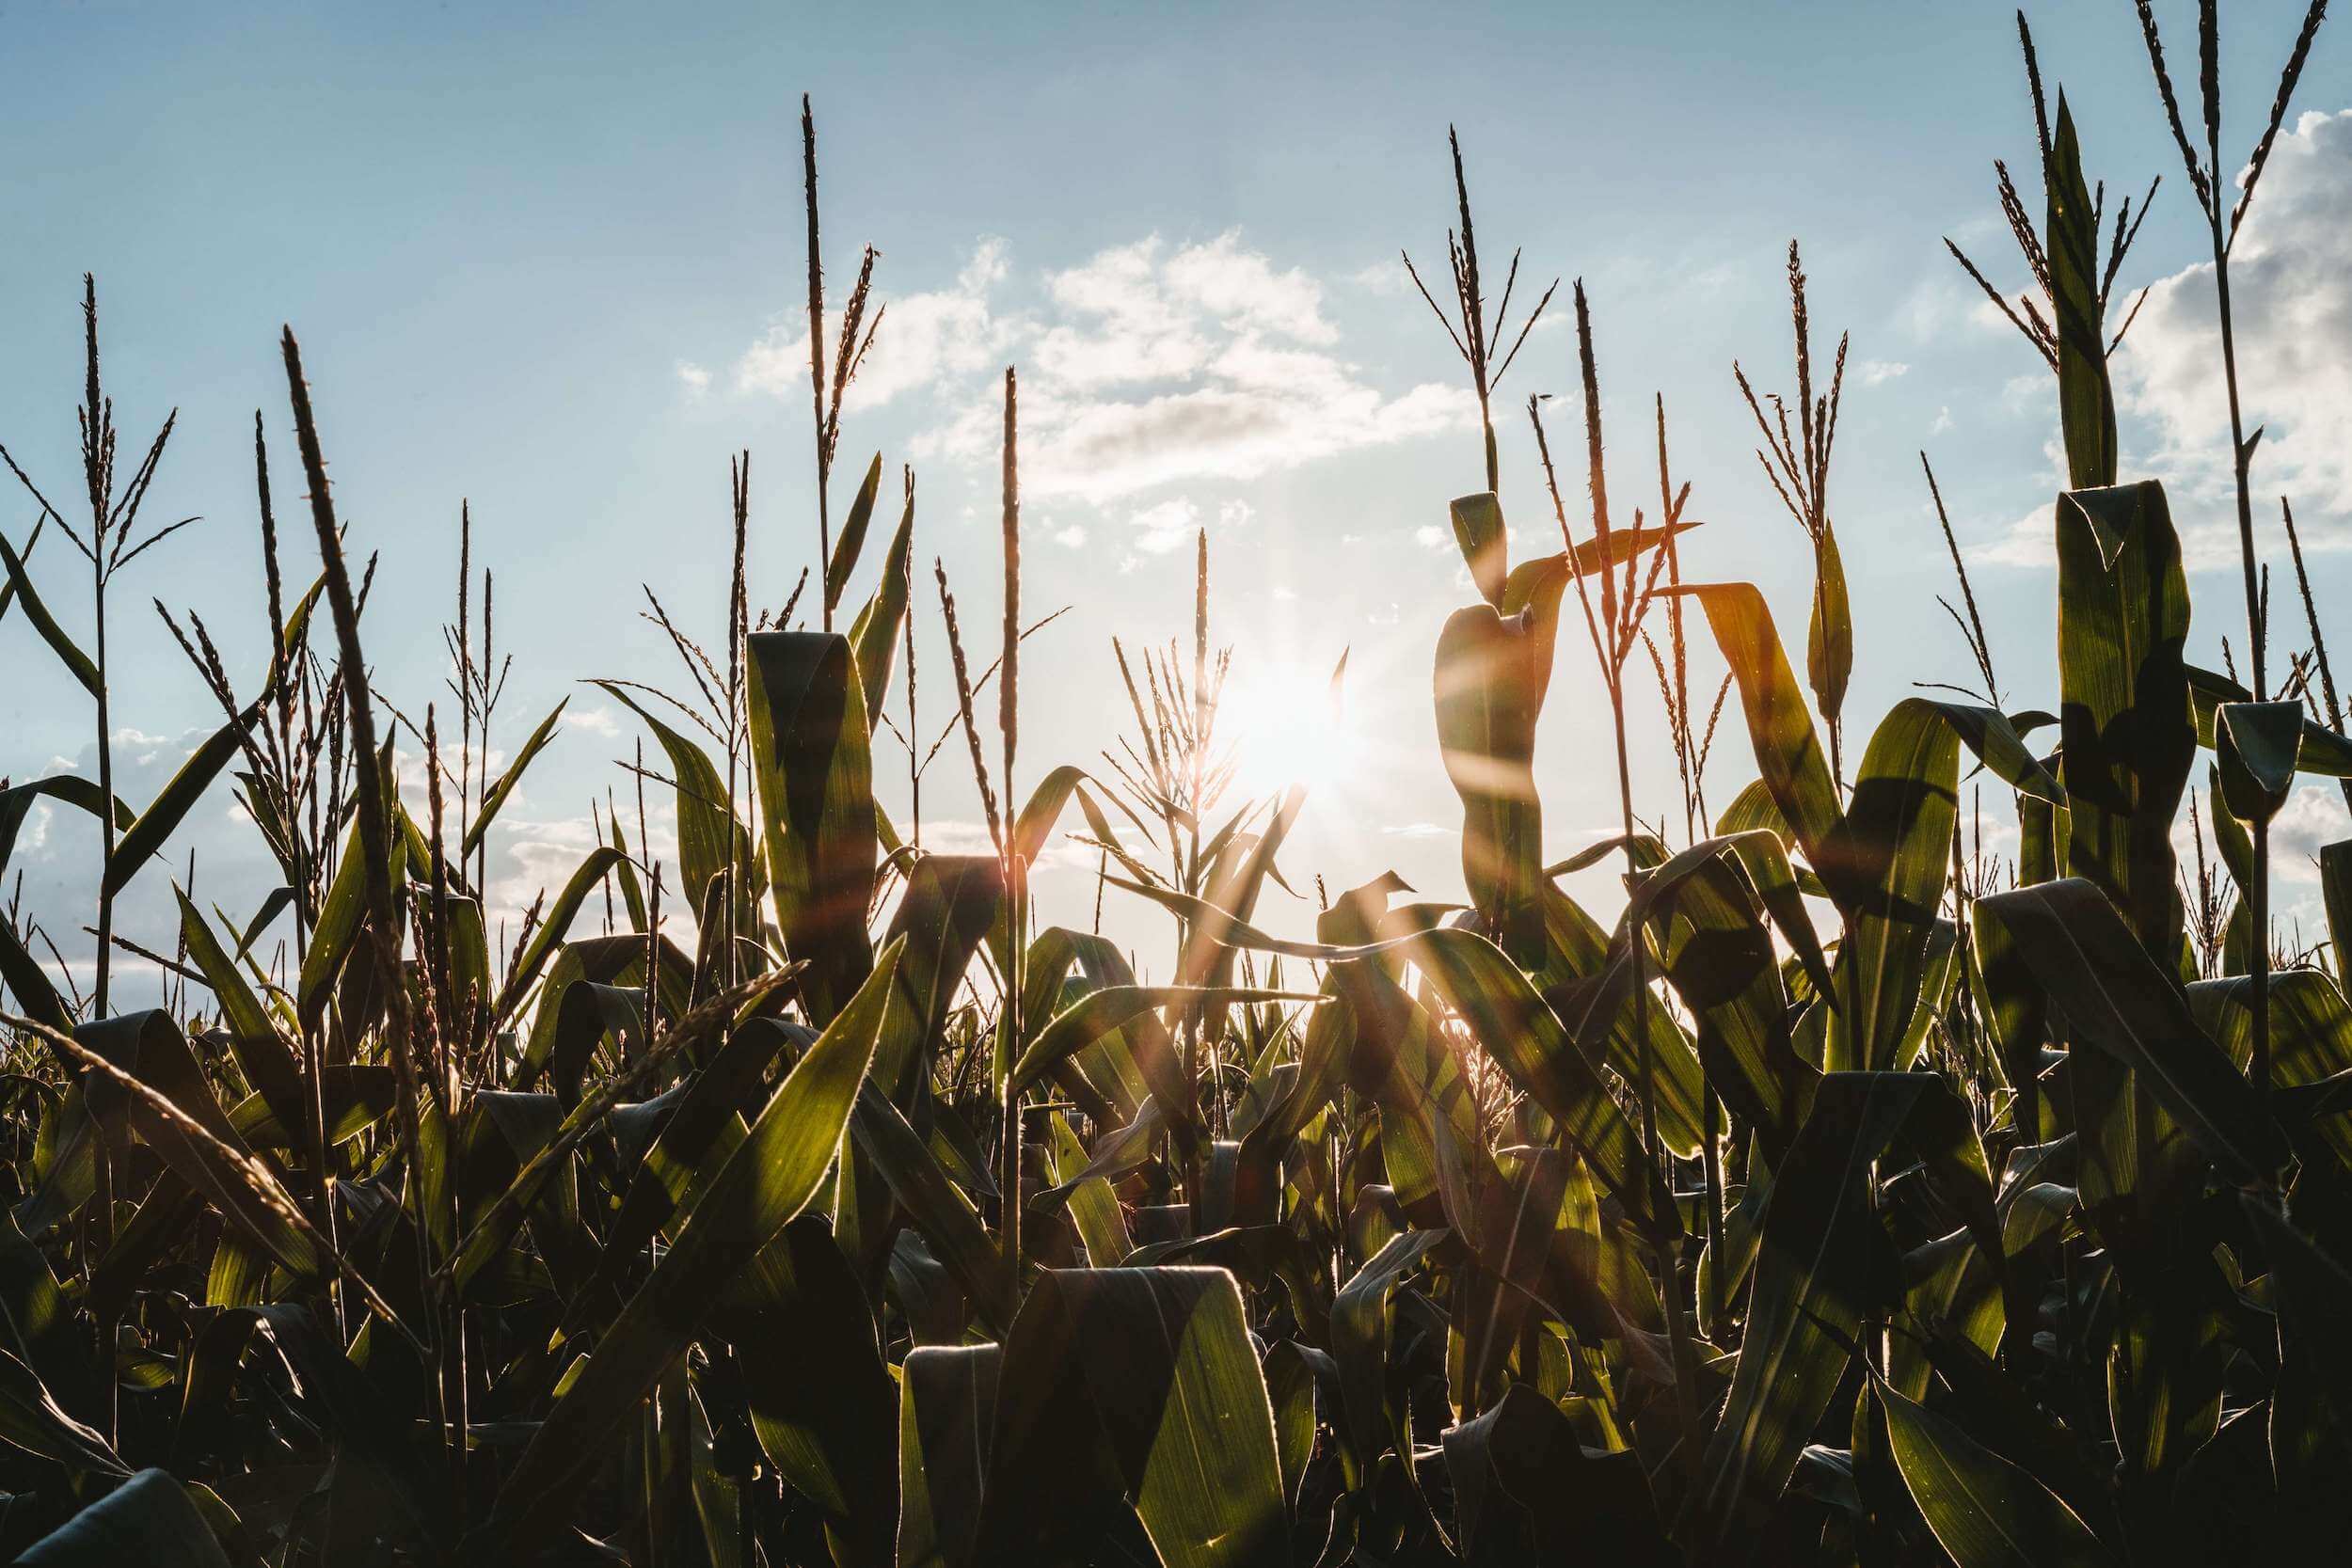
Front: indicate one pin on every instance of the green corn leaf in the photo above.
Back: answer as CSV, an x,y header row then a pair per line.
x,y
935,1205
1093,1205
149,1519
709,837
495,798
268,1063
823,1405
1491,676
1984,1510
1511,1019
810,755
763,1186
69,789
875,634
552,927
946,1406
2324,753
1720,958
1485,542
1814,1277
2071,938
1577,956
1113,1008
215,1161
31,1419
1787,754
1888,860
1142,1385
1526,1491
1829,633
146,835
2257,745
1491,1299
850,541
2071,240
76,660
2127,736
28,985
1361,1324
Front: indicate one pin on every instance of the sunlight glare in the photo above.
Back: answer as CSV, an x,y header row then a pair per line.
x,y
1287,726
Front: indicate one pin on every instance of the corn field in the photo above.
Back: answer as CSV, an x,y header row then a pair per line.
x,y
1850,1196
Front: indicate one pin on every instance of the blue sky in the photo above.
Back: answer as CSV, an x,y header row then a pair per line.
x,y
548,260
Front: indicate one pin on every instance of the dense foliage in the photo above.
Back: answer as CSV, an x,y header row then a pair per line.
x,y
1853,1198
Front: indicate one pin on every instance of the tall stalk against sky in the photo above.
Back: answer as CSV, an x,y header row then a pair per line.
x,y
1614,628
1472,330
112,530
2222,226
849,355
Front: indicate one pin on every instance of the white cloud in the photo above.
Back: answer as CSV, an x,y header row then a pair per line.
x,y
1071,537
697,378
1430,537
2312,817
1242,289
1419,830
1164,527
1234,514
1926,312
1147,365
1873,371
1942,421
2032,541
922,339
2292,298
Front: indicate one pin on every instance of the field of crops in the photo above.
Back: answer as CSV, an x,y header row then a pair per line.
x,y
1849,1195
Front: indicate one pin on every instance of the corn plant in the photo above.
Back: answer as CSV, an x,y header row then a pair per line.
x,y
1846,1196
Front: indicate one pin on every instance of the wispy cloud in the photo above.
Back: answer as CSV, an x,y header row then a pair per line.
x,y
2292,300
1146,366
923,340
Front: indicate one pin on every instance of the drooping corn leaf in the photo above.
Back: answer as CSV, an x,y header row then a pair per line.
x,y
821,1403
1816,1275
810,753
1484,540
553,926
148,1519
1984,1510
947,1408
146,834
2124,720
709,836
1491,676
1787,754
763,1186
1146,1379
69,653
495,798
1530,1043
1526,1490
31,1419
2073,941
2257,744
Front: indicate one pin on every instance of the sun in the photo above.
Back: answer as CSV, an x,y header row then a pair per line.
x,y
1289,723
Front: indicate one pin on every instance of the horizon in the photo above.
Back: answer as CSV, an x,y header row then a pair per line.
x,y
1212,335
